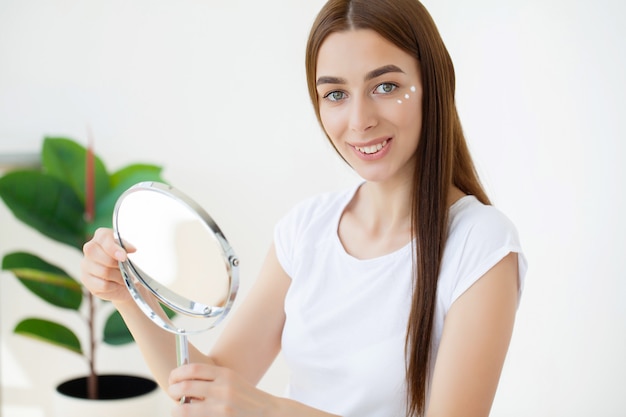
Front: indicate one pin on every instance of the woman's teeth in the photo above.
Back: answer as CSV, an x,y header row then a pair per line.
x,y
372,149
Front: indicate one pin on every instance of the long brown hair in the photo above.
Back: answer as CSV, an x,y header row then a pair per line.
x,y
442,156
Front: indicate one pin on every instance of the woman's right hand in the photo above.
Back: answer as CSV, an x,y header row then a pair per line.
x,y
100,271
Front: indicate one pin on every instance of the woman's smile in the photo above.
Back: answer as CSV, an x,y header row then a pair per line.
x,y
373,151
372,148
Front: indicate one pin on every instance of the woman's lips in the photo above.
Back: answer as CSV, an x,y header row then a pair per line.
x,y
372,148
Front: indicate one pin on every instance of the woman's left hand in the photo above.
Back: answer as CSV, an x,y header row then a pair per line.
x,y
216,391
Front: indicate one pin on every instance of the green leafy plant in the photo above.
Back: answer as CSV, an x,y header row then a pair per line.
x,y
67,199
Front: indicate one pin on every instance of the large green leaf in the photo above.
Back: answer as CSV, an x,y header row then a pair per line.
x,y
45,280
65,159
135,173
46,204
115,330
50,332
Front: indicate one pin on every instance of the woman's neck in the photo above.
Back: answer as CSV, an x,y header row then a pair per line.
x,y
385,208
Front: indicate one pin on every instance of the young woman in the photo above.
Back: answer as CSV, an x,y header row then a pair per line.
x,y
396,297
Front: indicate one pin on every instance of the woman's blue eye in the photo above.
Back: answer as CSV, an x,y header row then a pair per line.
x,y
385,88
335,95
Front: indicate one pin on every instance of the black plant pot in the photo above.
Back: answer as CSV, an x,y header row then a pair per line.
x,y
119,395
110,387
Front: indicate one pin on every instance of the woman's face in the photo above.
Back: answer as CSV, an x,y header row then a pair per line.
x,y
370,101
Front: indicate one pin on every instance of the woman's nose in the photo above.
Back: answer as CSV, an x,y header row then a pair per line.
x,y
362,115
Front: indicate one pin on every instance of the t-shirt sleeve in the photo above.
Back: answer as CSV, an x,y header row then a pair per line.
x,y
289,230
284,235
303,225
486,238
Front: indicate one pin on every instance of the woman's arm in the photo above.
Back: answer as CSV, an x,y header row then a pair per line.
x,y
252,337
249,342
476,335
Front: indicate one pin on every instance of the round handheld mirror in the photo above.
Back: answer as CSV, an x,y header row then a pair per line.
x,y
178,259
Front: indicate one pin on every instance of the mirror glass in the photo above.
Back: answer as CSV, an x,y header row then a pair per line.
x,y
181,260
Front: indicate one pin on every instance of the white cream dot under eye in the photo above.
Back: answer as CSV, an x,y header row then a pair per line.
x,y
407,95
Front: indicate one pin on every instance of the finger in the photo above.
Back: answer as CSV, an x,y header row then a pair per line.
x,y
98,265
194,371
104,281
102,249
193,408
192,381
105,238
97,272
129,247
191,391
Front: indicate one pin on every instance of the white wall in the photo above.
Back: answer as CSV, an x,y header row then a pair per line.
x,y
215,92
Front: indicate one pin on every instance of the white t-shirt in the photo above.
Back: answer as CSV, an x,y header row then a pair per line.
x,y
346,318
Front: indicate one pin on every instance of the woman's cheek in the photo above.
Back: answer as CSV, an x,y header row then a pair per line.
x,y
331,121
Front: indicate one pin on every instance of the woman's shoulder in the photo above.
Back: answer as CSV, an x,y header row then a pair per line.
x,y
479,236
469,216
479,233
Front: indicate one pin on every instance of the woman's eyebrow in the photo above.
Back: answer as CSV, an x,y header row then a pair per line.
x,y
329,80
382,71
369,76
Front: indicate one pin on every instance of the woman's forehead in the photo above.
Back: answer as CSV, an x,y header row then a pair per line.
x,y
359,51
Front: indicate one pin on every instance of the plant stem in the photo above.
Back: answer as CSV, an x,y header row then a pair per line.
x,y
92,379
